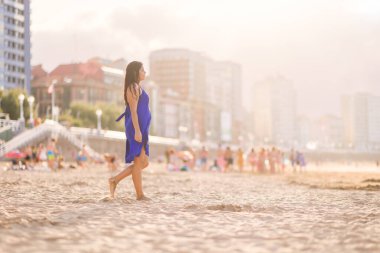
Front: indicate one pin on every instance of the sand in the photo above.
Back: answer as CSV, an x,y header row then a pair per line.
x,y
70,211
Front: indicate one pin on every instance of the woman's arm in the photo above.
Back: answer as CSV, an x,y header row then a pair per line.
x,y
132,102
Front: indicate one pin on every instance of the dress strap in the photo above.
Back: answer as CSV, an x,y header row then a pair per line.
x,y
121,116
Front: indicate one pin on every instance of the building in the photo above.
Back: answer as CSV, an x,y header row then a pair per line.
x,y
274,106
361,120
94,81
374,122
329,132
208,91
15,57
224,88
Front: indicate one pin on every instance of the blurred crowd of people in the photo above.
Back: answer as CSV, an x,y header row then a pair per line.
x,y
45,156
262,160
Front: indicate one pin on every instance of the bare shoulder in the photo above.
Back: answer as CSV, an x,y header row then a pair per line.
x,y
134,92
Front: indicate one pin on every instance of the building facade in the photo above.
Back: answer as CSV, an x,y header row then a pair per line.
x,y
15,56
361,120
200,93
274,106
94,81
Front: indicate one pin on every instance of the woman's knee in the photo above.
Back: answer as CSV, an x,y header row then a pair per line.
x,y
145,163
141,163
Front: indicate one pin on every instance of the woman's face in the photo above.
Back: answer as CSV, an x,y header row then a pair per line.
x,y
142,73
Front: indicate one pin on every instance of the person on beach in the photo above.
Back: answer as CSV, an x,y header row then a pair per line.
x,y
300,161
111,162
252,159
41,153
82,157
261,161
137,121
240,159
220,158
272,160
292,158
29,157
229,160
51,153
204,158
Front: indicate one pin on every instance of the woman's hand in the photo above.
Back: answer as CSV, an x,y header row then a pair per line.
x,y
138,136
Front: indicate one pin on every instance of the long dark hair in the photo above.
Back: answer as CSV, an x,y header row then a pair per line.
x,y
131,78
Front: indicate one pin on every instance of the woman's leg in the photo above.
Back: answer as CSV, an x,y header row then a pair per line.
x,y
140,163
113,181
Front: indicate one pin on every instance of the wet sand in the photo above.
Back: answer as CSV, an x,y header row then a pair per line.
x,y
337,180
70,211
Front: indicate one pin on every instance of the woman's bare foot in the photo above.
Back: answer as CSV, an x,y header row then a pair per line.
x,y
143,198
112,184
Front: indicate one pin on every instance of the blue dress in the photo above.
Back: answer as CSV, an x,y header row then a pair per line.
x,y
133,148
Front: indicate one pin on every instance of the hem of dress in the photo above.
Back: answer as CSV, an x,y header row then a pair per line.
x,y
138,154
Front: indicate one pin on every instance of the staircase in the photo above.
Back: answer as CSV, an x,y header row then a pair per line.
x,y
41,132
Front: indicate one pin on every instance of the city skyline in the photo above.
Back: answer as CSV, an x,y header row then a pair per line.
x,y
326,48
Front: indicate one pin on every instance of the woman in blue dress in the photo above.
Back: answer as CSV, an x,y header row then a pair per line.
x,y
137,120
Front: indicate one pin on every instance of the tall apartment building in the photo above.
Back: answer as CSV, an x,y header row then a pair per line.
x,y
15,57
274,106
361,120
209,92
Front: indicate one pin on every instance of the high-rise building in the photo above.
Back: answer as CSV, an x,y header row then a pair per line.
x,y
361,119
207,90
224,89
15,57
274,105
374,120
329,132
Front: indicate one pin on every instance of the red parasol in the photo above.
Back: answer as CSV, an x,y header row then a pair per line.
x,y
15,154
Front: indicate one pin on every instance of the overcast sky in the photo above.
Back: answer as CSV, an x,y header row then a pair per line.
x,y
326,47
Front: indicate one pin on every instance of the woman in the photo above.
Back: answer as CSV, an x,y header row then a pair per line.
x,y
82,157
220,158
229,160
51,154
137,120
204,158
240,159
261,161
252,159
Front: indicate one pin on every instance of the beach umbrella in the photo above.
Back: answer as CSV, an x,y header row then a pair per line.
x,y
185,155
15,154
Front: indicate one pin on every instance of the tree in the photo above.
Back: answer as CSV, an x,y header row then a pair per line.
x,y
84,115
11,105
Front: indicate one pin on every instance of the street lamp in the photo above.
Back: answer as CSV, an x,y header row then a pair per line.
x,y
240,138
52,90
31,101
99,114
21,98
182,131
208,139
2,91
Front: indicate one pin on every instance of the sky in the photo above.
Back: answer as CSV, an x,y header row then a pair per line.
x,y
325,47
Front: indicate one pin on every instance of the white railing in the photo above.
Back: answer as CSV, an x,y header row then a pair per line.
x,y
63,132
15,125
25,138
40,132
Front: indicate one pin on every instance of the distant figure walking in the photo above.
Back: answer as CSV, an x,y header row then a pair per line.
x,y
240,159
137,121
261,161
204,158
51,153
229,160
252,159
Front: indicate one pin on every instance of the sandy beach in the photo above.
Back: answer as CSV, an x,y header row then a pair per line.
x,y
70,211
